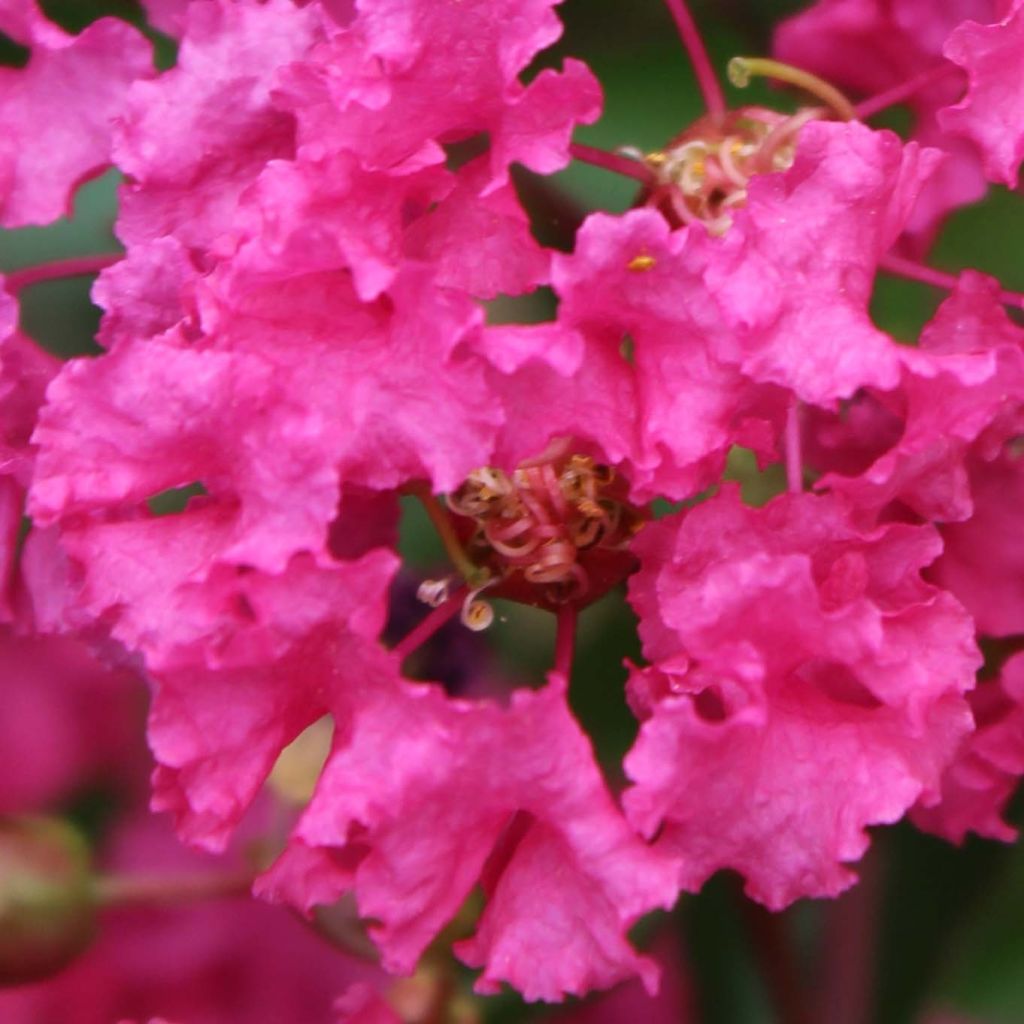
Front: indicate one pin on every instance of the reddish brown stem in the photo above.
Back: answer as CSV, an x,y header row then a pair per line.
x,y
78,266
707,80
773,949
146,890
847,969
565,641
901,267
424,630
898,93
611,162
794,453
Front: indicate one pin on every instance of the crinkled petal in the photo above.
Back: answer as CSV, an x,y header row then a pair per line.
x,y
796,269
57,112
276,651
192,140
961,391
420,793
992,112
983,560
806,684
978,785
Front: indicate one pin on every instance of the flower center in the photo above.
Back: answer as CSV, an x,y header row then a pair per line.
x,y
553,532
703,174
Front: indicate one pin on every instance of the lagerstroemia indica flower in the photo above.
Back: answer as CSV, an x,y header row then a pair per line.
x,y
317,208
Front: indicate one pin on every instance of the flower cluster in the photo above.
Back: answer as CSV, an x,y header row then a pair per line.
x,y
317,209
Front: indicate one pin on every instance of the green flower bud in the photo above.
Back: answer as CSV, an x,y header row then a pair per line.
x,y
47,911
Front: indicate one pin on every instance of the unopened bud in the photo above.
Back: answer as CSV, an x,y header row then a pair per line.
x,y
47,912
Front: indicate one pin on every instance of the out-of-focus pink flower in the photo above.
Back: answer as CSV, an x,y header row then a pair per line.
x,y
230,961
167,15
959,400
983,560
67,722
992,112
75,86
772,740
870,46
979,783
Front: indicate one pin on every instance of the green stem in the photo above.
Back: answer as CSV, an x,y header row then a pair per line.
x,y
146,890
742,69
474,575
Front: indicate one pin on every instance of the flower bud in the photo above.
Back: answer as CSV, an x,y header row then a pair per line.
x,y
47,913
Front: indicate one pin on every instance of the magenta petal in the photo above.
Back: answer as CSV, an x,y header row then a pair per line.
x,y
992,112
57,112
810,685
414,799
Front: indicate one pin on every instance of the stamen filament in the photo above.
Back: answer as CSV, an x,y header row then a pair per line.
x,y
707,80
742,69
898,93
429,625
900,267
472,573
78,266
565,640
611,162
794,452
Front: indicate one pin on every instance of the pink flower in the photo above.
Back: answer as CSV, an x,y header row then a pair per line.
x,y
563,873
959,400
25,371
871,46
992,112
979,783
57,111
228,961
983,560
795,272
65,721
193,139
668,409
805,683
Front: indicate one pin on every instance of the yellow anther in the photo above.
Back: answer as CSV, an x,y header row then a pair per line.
x,y
477,615
656,158
642,263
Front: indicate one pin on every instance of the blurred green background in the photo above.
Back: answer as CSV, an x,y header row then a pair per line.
x,y
934,926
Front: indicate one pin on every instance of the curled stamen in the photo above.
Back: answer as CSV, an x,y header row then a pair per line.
x,y
532,526
742,69
776,152
477,614
434,593
705,173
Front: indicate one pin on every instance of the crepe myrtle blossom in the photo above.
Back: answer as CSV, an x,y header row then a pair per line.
x,y
317,206
949,63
